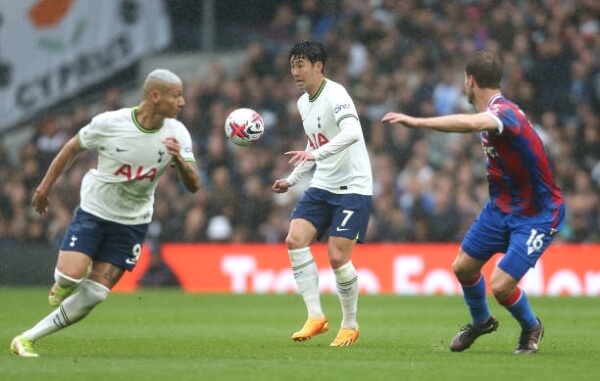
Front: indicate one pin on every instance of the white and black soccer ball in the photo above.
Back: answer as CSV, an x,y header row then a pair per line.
x,y
244,127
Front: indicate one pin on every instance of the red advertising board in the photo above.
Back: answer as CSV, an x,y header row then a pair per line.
x,y
407,269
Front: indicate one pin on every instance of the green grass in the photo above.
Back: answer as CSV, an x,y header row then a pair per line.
x,y
173,336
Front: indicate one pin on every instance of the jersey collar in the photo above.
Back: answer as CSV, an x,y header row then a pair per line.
x,y
138,124
494,98
318,91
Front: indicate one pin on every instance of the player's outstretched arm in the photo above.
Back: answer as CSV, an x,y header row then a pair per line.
x,y
61,161
447,123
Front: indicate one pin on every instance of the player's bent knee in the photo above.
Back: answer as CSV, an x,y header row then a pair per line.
x,y
465,268
65,280
502,288
293,242
462,272
456,269
500,294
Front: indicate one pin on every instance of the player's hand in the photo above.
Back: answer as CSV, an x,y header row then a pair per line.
x,y
280,186
300,157
394,117
40,202
172,146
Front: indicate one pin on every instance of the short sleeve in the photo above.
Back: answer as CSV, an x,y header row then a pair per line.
x,y
185,142
92,135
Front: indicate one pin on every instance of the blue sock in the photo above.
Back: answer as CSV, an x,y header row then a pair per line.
x,y
474,295
518,305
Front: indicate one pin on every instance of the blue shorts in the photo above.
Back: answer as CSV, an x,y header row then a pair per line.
x,y
523,239
105,241
342,215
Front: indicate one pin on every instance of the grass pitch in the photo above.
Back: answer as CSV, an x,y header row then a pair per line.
x,y
171,335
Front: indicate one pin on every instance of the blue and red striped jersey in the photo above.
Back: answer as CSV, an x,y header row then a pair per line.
x,y
519,171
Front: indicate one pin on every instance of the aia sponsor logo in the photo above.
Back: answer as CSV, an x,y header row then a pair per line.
x,y
136,174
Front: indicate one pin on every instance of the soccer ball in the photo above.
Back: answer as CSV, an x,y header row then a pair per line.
x,y
244,127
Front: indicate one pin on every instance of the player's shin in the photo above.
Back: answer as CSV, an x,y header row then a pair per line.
x,y
518,305
475,298
306,275
346,280
73,309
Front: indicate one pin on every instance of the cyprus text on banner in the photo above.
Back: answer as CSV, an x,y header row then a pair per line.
x,y
51,49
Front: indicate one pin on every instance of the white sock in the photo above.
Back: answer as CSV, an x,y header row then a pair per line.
x,y
346,281
306,275
65,281
71,310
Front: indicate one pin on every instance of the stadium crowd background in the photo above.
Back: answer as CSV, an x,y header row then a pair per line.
x,y
392,55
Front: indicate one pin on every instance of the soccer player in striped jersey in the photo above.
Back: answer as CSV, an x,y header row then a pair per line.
x,y
525,210
135,146
338,200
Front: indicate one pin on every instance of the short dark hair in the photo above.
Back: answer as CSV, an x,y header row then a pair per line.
x,y
486,67
311,50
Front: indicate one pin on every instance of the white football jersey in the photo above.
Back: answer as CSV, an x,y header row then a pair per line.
x,y
348,171
130,161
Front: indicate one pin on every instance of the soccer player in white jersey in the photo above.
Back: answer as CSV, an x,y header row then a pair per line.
x,y
338,200
135,146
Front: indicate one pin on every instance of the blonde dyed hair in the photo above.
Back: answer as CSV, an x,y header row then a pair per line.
x,y
159,79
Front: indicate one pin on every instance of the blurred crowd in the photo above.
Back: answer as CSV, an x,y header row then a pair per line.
x,y
392,56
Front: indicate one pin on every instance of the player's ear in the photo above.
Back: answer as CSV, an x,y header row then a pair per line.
x,y
319,66
469,81
155,96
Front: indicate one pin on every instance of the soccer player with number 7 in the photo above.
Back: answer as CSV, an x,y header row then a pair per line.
x,y
338,200
525,210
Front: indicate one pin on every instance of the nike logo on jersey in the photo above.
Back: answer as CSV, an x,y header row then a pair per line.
x,y
341,229
119,149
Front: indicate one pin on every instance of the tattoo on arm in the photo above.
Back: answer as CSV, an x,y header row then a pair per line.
x,y
190,169
188,173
